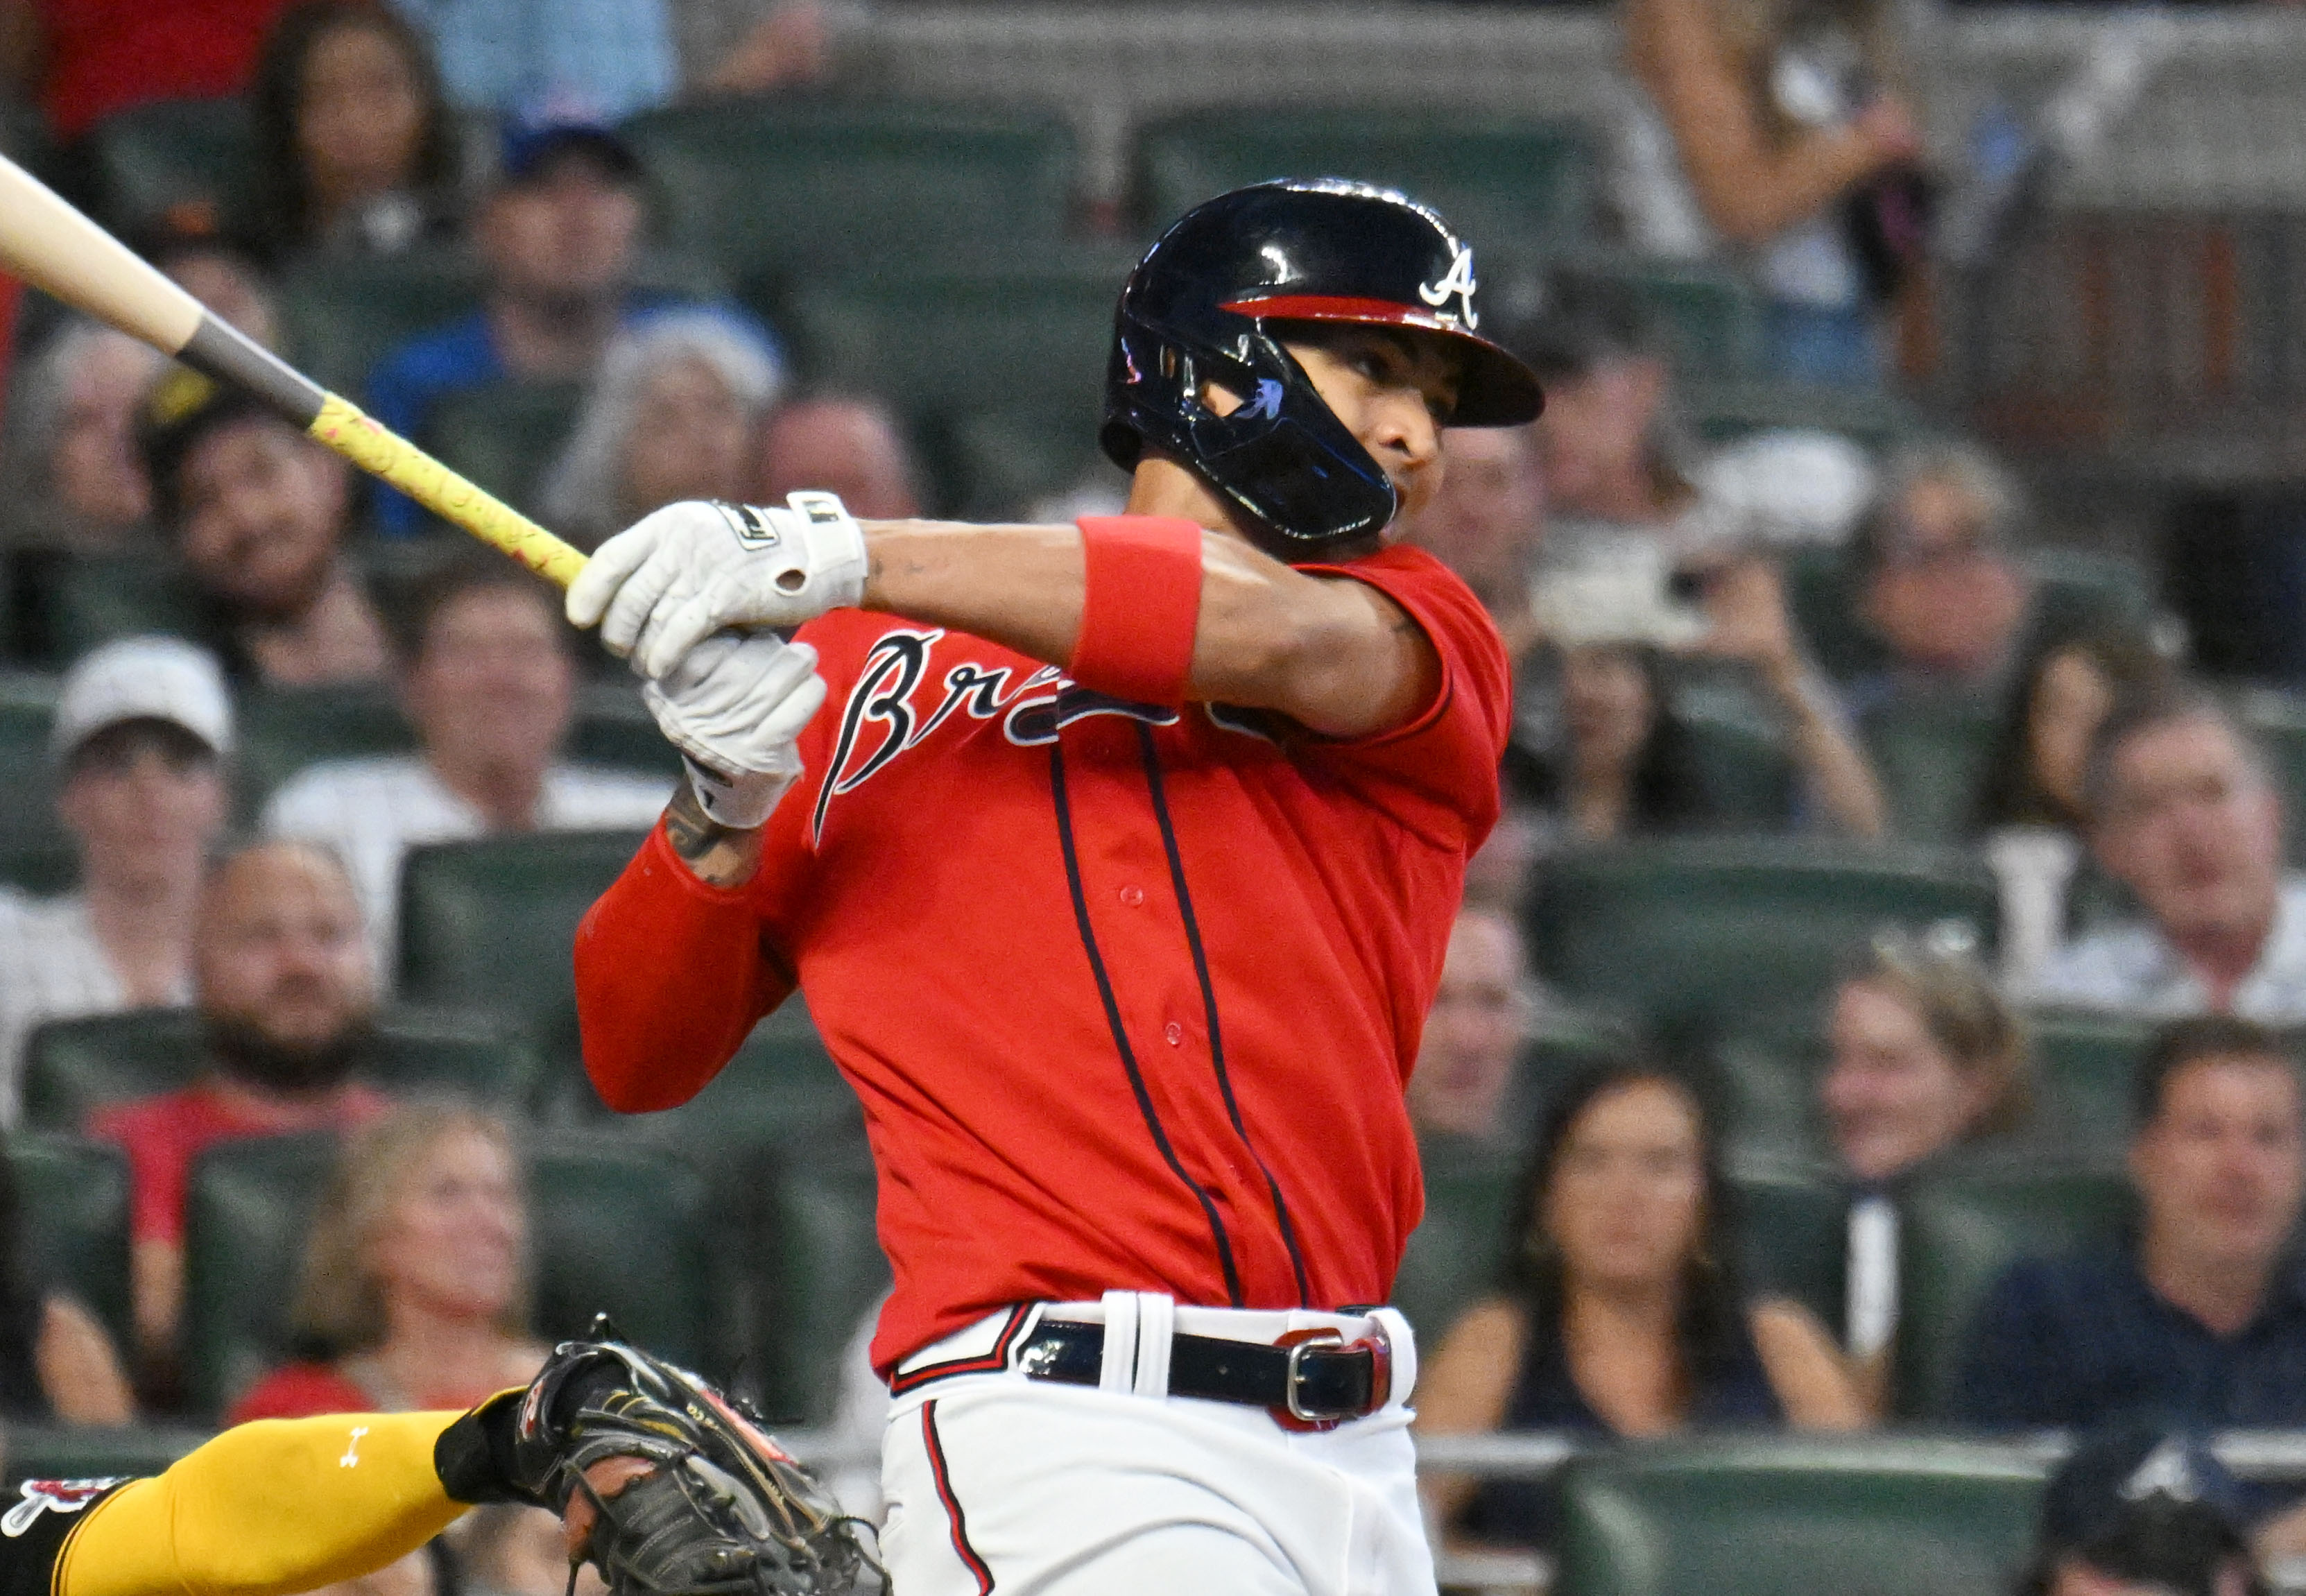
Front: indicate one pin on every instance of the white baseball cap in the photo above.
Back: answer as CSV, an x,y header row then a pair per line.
x,y
142,679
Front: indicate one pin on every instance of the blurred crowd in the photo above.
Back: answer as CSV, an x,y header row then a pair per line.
x,y
1712,639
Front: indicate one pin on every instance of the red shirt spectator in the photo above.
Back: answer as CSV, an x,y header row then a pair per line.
x,y
90,58
299,1391
163,1134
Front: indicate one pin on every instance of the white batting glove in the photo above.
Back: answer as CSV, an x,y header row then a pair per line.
x,y
735,705
676,577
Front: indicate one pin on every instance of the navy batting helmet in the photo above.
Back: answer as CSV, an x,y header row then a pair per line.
x,y
1200,307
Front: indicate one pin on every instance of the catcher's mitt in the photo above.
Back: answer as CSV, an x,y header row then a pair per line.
x,y
725,1511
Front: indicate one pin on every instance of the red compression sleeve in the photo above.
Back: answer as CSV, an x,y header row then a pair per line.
x,y
1140,601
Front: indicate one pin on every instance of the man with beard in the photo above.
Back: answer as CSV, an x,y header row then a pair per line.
x,y
287,997
256,512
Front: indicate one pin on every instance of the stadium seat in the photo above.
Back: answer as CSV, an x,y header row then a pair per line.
x,y
339,317
2078,588
1932,757
92,1452
1797,1516
1791,1222
781,1091
94,598
505,437
28,819
170,158
1693,931
491,924
72,1211
776,191
2277,720
614,727
283,730
815,1266
1740,754
1729,407
1959,1232
2084,1063
1705,318
996,461
1454,1253
71,1066
1502,181
1763,1075
614,1227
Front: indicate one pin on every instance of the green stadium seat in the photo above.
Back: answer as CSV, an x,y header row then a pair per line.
x,y
1933,759
505,437
283,730
93,1452
338,318
614,1227
1452,1255
71,1066
1823,596
1726,408
1705,318
97,597
2083,1066
28,704
72,1208
491,924
815,1266
172,155
781,1091
1791,1222
775,189
1502,181
998,461
1749,778
614,727
2277,720
2078,588
1797,1516
1958,1232
1698,931
1764,1075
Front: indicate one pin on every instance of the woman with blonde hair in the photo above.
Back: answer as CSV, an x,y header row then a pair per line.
x,y
1925,1058
414,1291
1782,129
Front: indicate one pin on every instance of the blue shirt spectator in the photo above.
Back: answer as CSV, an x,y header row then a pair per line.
x,y
2201,1321
608,58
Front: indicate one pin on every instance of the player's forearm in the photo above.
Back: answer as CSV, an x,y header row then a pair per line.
x,y
1330,654
268,1509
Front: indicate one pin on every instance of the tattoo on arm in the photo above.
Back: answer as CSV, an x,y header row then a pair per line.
x,y
717,855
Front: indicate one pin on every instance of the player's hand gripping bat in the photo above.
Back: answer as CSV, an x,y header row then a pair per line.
x,y
54,247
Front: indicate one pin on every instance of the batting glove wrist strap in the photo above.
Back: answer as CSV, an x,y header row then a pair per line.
x,y
664,585
741,802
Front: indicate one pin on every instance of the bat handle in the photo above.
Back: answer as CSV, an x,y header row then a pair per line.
x,y
392,458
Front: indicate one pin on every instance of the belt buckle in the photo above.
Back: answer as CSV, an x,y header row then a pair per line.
x,y
1293,1415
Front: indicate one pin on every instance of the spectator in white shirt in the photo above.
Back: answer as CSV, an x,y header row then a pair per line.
x,y
142,727
2184,809
486,676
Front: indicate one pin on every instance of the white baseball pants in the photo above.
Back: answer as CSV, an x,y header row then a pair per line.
x,y
996,1483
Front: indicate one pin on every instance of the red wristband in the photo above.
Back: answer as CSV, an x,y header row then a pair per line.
x,y
1141,601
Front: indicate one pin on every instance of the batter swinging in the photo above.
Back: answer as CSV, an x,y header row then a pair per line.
x,y
1118,881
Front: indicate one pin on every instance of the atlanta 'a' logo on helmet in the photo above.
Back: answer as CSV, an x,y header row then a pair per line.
x,y
1458,281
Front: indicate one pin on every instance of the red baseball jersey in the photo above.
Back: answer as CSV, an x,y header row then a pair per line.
x,y
1130,994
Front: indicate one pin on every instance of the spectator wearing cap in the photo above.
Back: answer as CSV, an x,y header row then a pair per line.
x,y
844,444
486,673
74,478
559,236
2138,1510
2198,1319
286,994
670,416
355,150
142,731
1937,583
256,512
2184,809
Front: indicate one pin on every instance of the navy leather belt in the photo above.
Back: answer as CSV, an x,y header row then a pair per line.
x,y
1311,1384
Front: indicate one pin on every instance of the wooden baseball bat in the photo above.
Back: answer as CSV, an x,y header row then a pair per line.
x,y
54,247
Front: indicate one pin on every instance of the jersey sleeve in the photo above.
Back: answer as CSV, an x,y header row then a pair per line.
x,y
1437,771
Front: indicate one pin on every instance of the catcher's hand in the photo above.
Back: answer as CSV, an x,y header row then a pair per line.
x,y
666,1487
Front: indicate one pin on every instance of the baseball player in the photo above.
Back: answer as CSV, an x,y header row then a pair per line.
x,y
1118,880
666,1488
